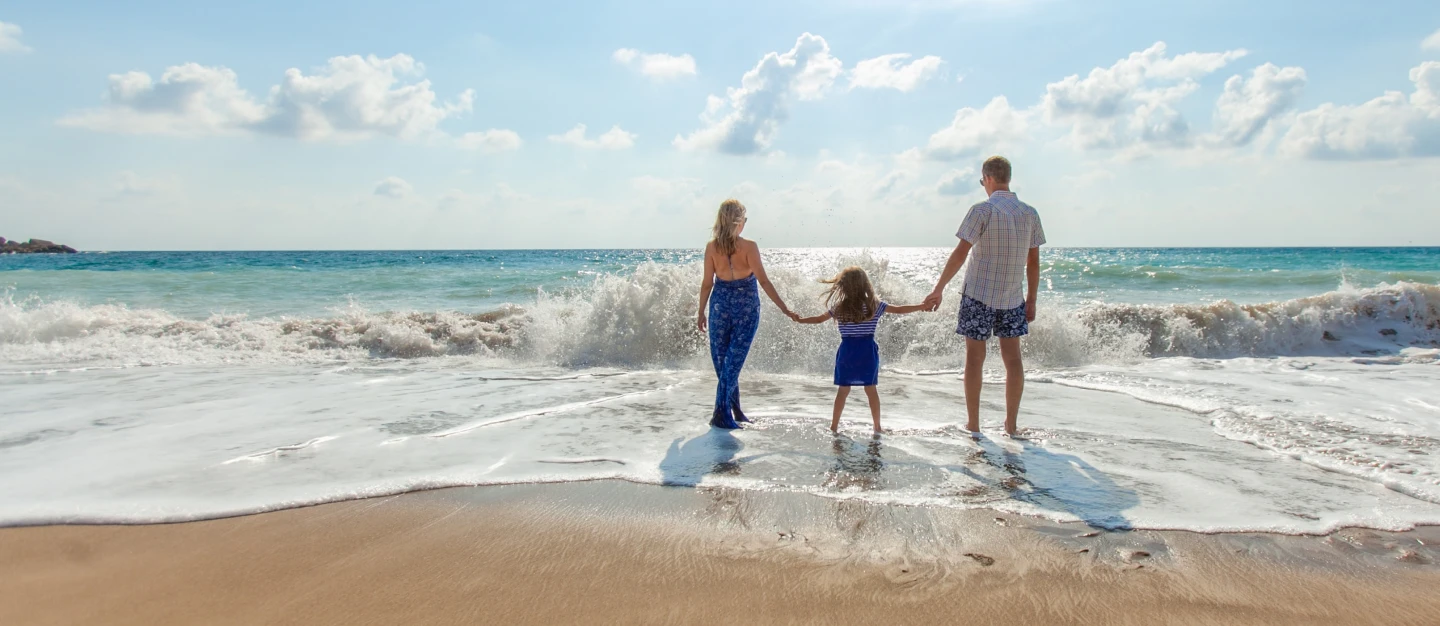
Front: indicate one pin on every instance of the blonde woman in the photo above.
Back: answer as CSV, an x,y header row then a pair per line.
x,y
733,277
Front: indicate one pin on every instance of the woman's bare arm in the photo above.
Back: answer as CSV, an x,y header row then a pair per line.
x,y
754,252
706,284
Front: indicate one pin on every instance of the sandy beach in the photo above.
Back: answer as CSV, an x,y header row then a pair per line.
x,y
614,552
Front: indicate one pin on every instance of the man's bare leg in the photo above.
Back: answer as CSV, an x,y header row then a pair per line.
x,y
1014,381
974,379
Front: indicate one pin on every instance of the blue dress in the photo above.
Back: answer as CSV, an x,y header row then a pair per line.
x,y
734,318
857,362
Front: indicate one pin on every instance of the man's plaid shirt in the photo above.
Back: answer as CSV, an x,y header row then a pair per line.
x,y
1002,230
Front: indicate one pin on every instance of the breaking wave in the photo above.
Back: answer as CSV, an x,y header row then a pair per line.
x,y
647,319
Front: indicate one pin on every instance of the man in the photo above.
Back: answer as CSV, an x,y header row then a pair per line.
x,y
1006,236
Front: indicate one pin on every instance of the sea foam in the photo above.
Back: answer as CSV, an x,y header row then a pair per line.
x,y
647,319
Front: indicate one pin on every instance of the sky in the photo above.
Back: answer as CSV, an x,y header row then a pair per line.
x,y
159,125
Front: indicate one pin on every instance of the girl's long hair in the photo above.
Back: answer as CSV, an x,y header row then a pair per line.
x,y
850,297
727,225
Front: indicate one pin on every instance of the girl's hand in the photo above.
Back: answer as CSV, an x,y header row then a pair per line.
x,y
700,322
792,315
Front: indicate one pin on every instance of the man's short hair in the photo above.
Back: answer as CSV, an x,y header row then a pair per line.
x,y
997,168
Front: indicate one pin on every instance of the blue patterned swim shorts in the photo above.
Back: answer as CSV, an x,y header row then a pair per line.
x,y
978,321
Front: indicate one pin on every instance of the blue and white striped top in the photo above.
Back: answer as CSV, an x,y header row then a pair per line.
x,y
861,329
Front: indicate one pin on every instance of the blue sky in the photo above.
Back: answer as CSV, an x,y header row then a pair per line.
x,y
267,125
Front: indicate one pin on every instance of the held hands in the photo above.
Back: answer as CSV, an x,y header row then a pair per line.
x,y
932,301
794,317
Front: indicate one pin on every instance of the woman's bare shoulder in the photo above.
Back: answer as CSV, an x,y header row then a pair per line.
x,y
747,244
710,246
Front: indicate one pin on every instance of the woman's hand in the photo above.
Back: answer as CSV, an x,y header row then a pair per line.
x,y
700,322
793,316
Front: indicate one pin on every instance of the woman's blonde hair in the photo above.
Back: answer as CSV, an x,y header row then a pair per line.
x,y
727,226
850,298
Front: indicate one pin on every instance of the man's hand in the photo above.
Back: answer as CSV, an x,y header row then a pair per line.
x,y
700,322
932,301
1030,310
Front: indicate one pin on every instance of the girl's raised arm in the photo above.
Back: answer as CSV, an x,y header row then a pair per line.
x,y
706,284
816,319
754,251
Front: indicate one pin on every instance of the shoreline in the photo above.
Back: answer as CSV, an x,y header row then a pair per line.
x,y
1428,530
610,551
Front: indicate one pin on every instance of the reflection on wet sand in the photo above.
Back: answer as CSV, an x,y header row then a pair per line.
x,y
857,465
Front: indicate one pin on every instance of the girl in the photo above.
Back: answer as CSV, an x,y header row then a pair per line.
x,y
733,277
852,302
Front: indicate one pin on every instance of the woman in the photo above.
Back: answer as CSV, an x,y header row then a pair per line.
x,y
732,272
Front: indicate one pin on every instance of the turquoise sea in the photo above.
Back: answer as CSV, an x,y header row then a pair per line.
x,y
307,283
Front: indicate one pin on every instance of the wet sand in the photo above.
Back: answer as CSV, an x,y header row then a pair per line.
x,y
614,552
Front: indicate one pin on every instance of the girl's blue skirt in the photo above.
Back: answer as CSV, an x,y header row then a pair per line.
x,y
857,362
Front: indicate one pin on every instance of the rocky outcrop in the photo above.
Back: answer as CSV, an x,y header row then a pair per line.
x,y
32,246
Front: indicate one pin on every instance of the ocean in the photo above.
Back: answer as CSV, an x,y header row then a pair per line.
x,y
1212,390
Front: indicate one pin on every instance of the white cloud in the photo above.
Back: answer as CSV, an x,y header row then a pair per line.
x,y
1247,107
891,71
493,140
613,139
393,187
10,39
973,131
1115,106
351,97
658,66
745,122
189,99
1432,42
359,95
1390,126
957,182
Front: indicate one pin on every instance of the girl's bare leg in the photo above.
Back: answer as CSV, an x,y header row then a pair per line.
x,y
874,397
840,394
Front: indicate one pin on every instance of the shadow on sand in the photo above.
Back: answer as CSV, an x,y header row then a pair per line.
x,y
712,452
1052,481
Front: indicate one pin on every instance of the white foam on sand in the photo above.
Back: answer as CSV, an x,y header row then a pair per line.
x,y
151,445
